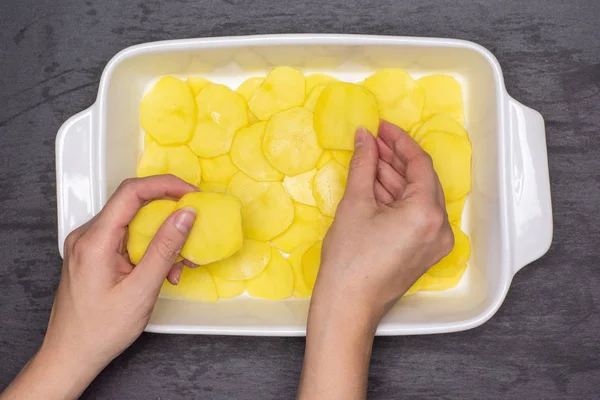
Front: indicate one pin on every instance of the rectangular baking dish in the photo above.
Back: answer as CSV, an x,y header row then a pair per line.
x,y
508,215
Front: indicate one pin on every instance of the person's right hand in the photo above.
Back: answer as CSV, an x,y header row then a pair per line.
x,y
390,226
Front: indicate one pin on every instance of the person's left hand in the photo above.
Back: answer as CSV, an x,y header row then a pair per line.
x,y
103,302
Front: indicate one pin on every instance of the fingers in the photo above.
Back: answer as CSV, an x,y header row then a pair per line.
x,y
163,250
382,196
363,166
399,142
175,273
390,179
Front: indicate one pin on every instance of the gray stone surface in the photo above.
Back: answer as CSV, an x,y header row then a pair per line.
x,y
544,343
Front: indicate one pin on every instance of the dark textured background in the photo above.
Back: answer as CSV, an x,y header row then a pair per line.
x,y
544,343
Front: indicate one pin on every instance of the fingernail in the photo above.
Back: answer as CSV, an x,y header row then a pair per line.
x,y
175,274
360,137
184,220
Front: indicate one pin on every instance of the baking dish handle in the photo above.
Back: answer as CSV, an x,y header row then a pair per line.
x,y
530,185
74,173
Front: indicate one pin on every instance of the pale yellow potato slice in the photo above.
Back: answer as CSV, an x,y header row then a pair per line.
x,y
438,283
452,263
144,226
229,289
455,210
154,161
311,100
314,80
324,159
212,187
406,112
246,263
416,287
451,157
295,260
249,86
306,228
281,90
343,157
183,163
246,154
300,187
325,225
311,261
328,187
443,95
218,169
341,109
221,112
168,112
195,284
217,231
439,123
415,128
290,142
267,209
148,140
276,282
197,83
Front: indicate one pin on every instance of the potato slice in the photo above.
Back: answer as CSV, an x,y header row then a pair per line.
x,y
451,157
168,112
415,128
451,264
295,260
443,95
438,283
246,263
290,142
183,164
249,86
306,228
229,289
267,209
154,161
439,123
406,111
455,210
282,89
221,112
218,169
311,100
389,85
197,83
311,261
148,140
300,187
328,187
195,284
324,159
144,226
246,154
213,187
340,110
314,80
276,282
325,225
217,231
343,157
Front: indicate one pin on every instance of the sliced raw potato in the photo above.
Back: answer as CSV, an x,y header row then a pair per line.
x,y
389,85
406,111
437,283
246,263
343,157
218,169
249,86
246,153
221,112
195,284
290,142
415,128
300,187
455,209
154,161
217,231
328,187
229,289
340,110
451,264
439,123
213,187
276,282
168,111
183,163
281,90
147,140
144,226
416,287
267,209
295,260
197,83
325,225
325,158
311,100
443,95
314,80
306,228
311,261
451,157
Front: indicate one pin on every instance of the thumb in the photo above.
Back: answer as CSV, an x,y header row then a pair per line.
x,y
363,166
164,248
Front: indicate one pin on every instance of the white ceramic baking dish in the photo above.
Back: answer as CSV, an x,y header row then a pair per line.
x,y
508,215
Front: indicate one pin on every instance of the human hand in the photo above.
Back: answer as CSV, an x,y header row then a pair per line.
x,y
103,303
